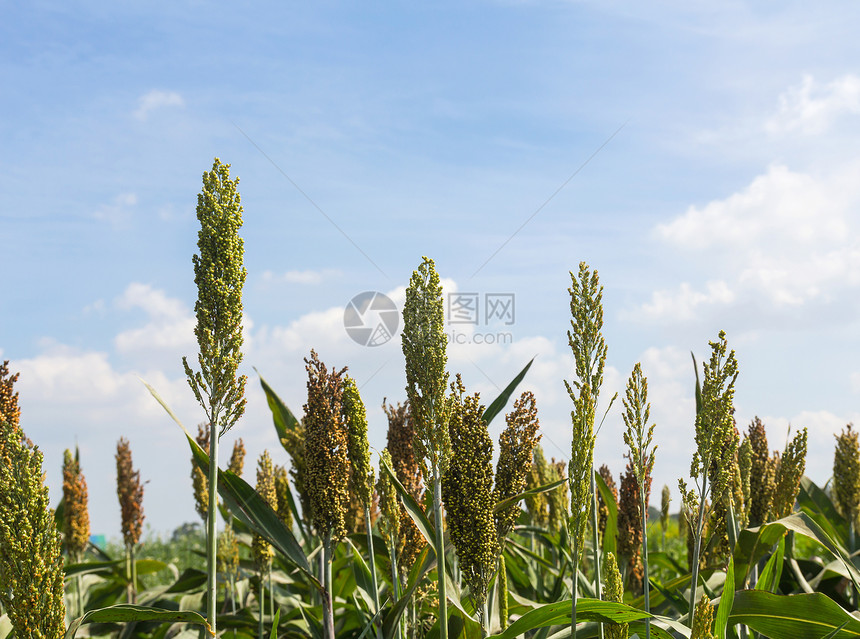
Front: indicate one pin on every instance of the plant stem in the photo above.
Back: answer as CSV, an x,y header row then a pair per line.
x,y
211,525
328,609
574,588
395,581
596,548
700,521
371,554
440,553
262,599
646,583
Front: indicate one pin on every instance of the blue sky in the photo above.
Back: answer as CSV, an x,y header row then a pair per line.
x,y
724,194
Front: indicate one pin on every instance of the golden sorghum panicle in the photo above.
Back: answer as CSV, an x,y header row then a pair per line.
x,y
326,449
467,491
602,506
789,470
557,499
613,590
762,474
237,458
282,492
219,274
262,549
424,346
589,352
703,621
355,414
401,438
9,409
228,553
76,518
31,564
846,474
537,505
724,461
199,479
515,459
630,529
129,490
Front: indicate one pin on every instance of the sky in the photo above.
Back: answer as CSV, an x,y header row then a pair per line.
x,y
702,157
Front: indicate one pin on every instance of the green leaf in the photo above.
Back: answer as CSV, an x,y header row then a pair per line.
x,y
424,563
124,613
283,417
815,503
533,491
412,507
555,614
726,601
805,616
611,532
274,633
772,572
501,401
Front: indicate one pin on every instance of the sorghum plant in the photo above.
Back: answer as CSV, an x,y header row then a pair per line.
x,y
639,439
614,591
537,505
262,549
467,489
846,478
789,470
237,458
703,624
713,425
9,409
589,352
424,346
389,520
327,467
219,274
282,491
762,474
602,507
31,563
130,493
630,535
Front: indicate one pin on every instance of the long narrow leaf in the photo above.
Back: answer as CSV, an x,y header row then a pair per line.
x,y
498,404
415,511
125,613
610,533
501,505
726,601
806,616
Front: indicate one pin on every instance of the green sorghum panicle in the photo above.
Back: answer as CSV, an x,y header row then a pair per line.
x,y
424,346
282,494
219,274
401,447
638,435
262,549
326,443
130,493
76,516
537,505
846,474
503,593
557,499
762,474
237,458
602,506
9,409
389,507
703,621
199,479
294,444
789,470
228,553
31,564
589,352
355,415
714,423
515,457
613,590
467,492
744,474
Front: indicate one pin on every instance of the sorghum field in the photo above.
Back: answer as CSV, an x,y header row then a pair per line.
x,y
431,540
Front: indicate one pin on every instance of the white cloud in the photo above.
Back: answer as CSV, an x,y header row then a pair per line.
x,y
157,99
785,240
301,277
170,326
811,108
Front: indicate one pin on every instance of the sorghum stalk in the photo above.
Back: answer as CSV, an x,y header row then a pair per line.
x,y
713,423
639,438
424,347
589,351
31,561
219,274
130,494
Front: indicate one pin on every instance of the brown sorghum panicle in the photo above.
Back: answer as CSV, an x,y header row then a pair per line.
x,y
130,493
76,515
630,530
